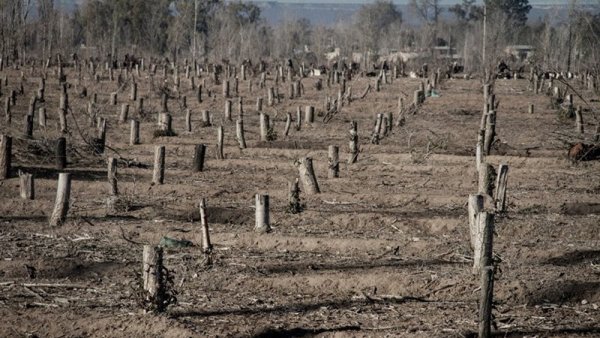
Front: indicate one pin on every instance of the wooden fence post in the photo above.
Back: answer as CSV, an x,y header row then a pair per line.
x,y
490,131
262,219
482,253
307,176
486,301
158,175
486,179
501,181
61,206
475,206
5,156
188,121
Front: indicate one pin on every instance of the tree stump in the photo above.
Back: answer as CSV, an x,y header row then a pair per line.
x,y
158,175
153,276
288,124
309,115
353,144
487,175
5,156
264,127
61,206
239,131
262,218
334,162
134,134
220,136
124,113
26,186
307,176
475,206
199,154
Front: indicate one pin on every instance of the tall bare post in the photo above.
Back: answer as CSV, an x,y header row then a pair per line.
x,y
5,156
490,132
61,206
307,176
262,218
353,142
239,131
26,185
501,181
61,153
158,175
334,162
486,301
220,137
199,154
206,245
487,174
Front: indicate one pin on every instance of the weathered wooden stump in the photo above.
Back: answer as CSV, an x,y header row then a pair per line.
x,y
158,174
262,217
307,176
61,206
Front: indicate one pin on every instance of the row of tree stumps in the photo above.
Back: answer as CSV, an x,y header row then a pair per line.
x,y
483,208
154,272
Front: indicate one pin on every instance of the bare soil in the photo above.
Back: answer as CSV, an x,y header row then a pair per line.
x,y
382,251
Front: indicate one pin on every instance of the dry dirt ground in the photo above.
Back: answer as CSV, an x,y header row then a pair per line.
x,y
382,251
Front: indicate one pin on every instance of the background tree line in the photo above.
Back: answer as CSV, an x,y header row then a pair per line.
x,y
217,30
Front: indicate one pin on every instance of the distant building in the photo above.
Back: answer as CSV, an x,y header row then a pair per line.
x,y
520,52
